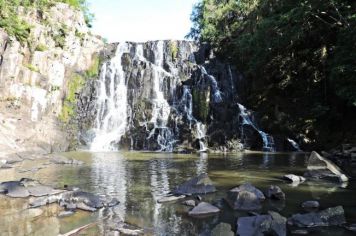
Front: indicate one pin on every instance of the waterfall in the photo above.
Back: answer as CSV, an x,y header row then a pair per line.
x,y
294,144
214,85
268,141
111,119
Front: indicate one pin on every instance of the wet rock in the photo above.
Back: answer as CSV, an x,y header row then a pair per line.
x,y
198,185
18,191
351,227
189,203
276,193
83,206
300,232
63,214
222,229
132,232
61,160
311,205
171,198
42,201
113,202
321,168
89,199
245,197
39,191
204,209
271,224
294,178
329,217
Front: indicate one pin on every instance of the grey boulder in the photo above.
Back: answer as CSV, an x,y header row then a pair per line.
x,y
245,197
204,209
198,185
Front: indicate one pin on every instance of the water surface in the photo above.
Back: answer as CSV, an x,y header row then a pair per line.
x,y
138,180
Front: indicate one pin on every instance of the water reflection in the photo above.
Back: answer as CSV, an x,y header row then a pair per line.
x,y
138,180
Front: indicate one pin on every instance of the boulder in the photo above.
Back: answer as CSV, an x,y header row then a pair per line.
x,y
321,168
329,217
222,229
204,209
276,193
271,224
294,178
245,197
198,185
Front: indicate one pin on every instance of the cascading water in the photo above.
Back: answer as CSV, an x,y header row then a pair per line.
x,y
294,144
214,85
268,142
161,109
111,119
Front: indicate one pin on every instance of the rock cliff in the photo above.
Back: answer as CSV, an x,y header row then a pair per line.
x,y
38,76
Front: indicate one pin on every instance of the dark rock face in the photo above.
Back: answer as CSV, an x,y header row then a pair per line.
x,y
173,89
271,224
198,185
329,217
245,197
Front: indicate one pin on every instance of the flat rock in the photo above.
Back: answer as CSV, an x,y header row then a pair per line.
x,y
317,163
260,225
171,198
245,197
84,207
18,192
198,185
275,192
222,229
203,209
329,217
39,191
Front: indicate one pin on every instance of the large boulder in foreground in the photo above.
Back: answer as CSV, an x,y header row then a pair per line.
x,y
198,185
329,217
260,225
245,197
204,209
321,168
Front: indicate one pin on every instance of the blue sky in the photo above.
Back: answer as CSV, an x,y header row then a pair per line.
x,y
141,20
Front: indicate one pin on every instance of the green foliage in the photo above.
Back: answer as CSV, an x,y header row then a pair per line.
x,y
17,27
74,85
173,47
41,48
93,71
297,56
32,68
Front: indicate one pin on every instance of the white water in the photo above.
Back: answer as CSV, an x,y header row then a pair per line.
x,y
111,120
214,84
294,144
268,142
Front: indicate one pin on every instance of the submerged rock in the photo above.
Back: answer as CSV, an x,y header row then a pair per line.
x,y
311,205
222,229
198,185
271,224
170,198
321,168
63,214
245,197
61,160
329,217
204,209
276,193
189,203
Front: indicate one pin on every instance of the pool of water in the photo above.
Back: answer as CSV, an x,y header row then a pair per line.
x,y
139,179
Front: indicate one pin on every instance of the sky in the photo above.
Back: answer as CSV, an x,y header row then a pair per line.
x,y
141,20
